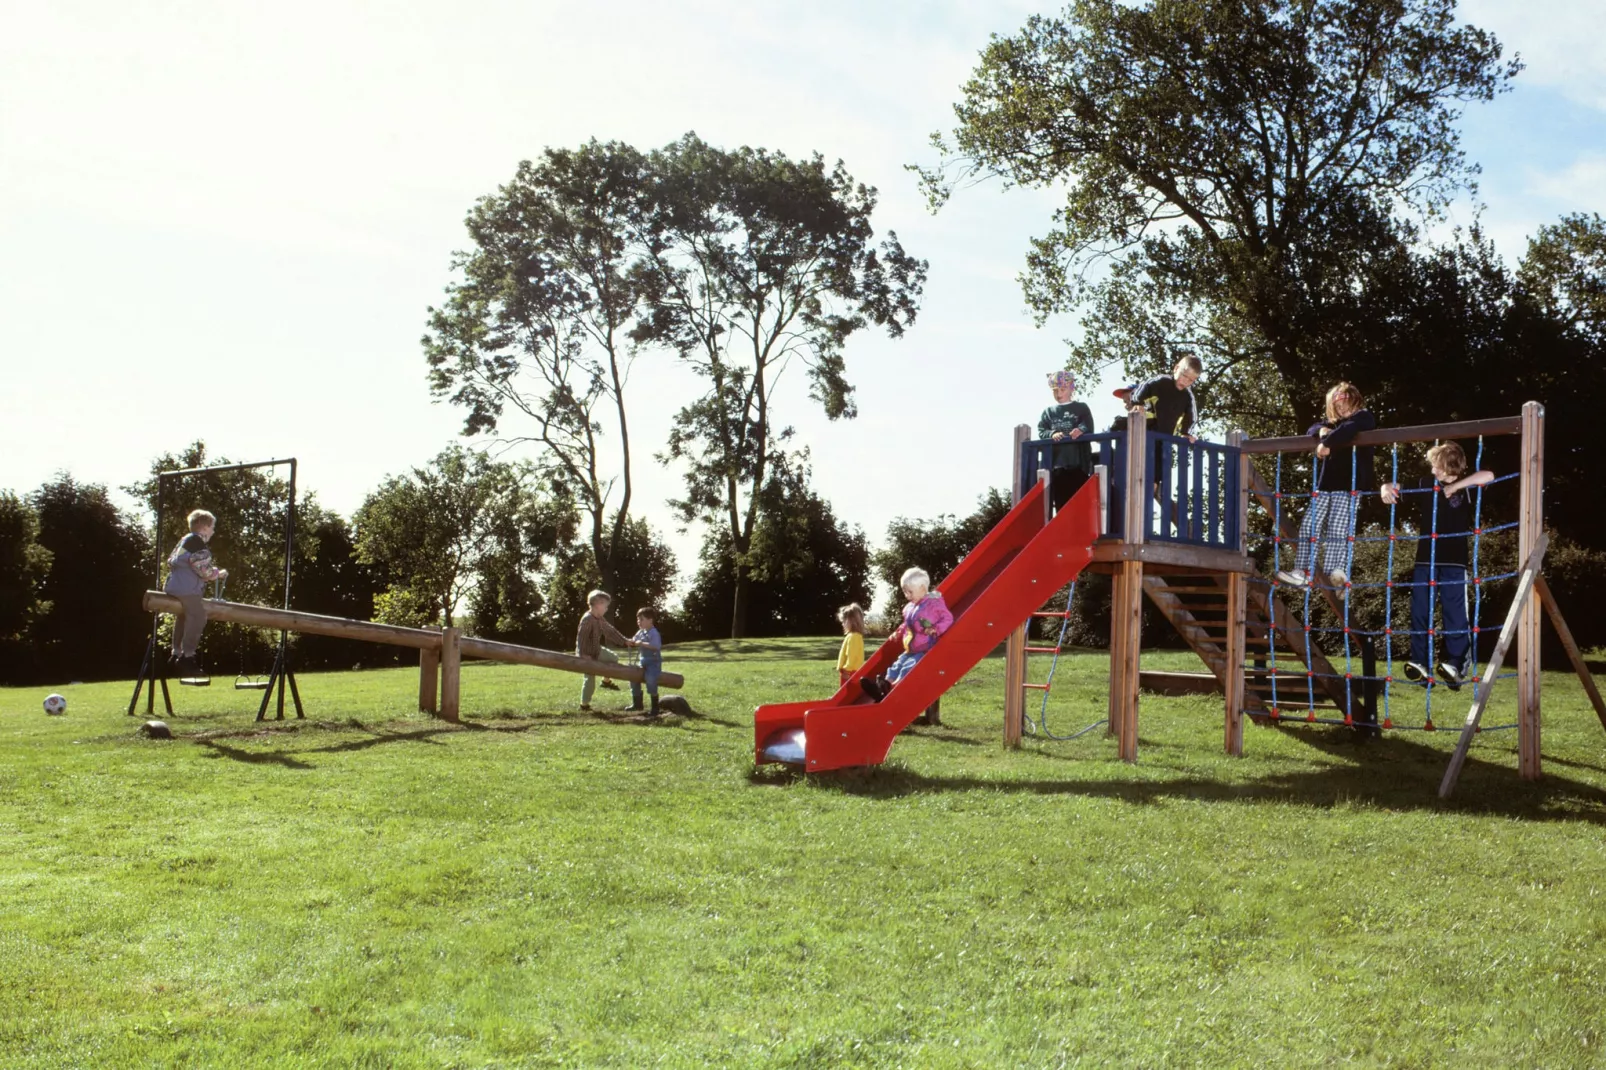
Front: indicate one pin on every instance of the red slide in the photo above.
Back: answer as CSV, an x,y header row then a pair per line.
x,y
996,588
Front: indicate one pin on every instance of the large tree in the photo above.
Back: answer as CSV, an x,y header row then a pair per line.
x,y
438,530
100,565
803,561
754,262
537,325
1231,170
24,564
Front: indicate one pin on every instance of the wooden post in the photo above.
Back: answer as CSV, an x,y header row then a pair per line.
x,y
1237,614
1015,645
1117,648
1129,613
1531,523
451,672
1237,611
1565,634
429,671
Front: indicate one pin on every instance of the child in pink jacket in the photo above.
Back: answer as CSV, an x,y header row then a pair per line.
x,y
925,618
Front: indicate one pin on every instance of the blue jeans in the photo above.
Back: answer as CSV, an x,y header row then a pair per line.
x,y
1452,589
649,670
902,666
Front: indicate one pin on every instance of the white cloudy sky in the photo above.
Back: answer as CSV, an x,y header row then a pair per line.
x,y
225,221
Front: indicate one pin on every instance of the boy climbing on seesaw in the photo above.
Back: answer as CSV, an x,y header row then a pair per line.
x,y
588,641
189,567
1444,517
651,645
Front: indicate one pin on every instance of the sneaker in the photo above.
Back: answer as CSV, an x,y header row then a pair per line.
x,y
1451,676
585,707
1416,672
1293,578
1338,578
635,709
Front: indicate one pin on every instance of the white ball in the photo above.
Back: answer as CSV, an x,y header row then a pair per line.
x,y
55,705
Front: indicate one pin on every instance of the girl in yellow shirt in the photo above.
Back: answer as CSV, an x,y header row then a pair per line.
x,y
851,656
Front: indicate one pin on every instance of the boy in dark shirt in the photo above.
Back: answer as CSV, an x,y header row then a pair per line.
x,y
1175,411
1066,421
1444,517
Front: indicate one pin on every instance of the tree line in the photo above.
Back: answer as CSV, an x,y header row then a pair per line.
x,y
1261,185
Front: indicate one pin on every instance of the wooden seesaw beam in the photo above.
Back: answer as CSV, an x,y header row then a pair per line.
x,y
440,650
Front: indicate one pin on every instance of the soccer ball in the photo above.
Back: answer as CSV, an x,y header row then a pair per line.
x,y
55,705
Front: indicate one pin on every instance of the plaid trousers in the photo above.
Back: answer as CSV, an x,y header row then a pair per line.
x,y
1329,523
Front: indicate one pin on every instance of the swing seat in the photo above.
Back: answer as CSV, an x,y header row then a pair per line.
x,y
252,685
195,681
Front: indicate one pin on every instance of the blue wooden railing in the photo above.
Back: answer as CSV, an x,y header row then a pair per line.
x,y
1191,492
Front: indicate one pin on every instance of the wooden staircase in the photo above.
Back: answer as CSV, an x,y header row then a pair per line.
x,y
1196,605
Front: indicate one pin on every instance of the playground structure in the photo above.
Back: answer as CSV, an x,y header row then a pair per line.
x,y
1180,539
440,650
1169,543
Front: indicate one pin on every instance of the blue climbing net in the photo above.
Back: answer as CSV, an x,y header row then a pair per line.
x,y
1294,691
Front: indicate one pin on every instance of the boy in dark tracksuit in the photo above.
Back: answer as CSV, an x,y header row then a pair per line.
x,y
1175,411
1066,421
189,567
1444,517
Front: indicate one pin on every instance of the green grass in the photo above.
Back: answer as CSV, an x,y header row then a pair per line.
x,y
544,888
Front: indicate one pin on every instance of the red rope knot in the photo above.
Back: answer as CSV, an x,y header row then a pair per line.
x,y
1348,719
1428,727
1310,717
1388,722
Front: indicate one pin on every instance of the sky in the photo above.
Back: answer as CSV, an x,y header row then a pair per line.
x,y
227,221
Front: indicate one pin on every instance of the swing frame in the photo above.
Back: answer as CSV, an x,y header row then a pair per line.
x,y
155,667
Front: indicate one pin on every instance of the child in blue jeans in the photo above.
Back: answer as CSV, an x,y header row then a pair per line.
x,y
1444,516
651,646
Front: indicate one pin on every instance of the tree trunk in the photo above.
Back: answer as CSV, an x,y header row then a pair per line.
x,y
739,604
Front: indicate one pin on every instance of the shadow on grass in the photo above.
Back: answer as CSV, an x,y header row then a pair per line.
x,y
253,757
1390,774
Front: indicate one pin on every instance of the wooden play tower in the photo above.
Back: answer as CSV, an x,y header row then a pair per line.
x,y
1174,521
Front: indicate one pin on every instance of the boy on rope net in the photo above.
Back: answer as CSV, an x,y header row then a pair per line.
x,y
1340,476
1444,517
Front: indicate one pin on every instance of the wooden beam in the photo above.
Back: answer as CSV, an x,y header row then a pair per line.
x,y
1131,618
429,676
1117,649
1386,436
1565,634
1491,671
1530,534
491,650
1204,558
292,620
451,673
1179,683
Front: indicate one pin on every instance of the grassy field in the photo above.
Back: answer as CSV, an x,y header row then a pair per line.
x,y
540,887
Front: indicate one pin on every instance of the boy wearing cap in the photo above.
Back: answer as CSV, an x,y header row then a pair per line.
x,y
1066,421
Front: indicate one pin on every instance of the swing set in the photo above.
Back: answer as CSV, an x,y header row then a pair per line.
x,y
1182,540
154,670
